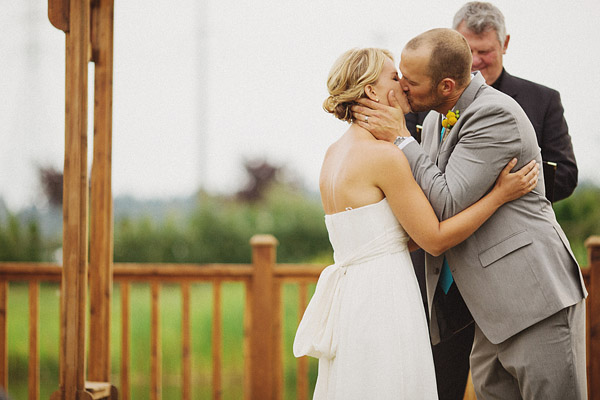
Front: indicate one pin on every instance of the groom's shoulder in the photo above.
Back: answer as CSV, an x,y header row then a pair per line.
x,y
494,107
489,94
492,99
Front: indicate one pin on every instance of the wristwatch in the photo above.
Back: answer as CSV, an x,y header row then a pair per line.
x,y
399,140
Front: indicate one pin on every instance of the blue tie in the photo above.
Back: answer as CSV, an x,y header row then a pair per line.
x,y
446,279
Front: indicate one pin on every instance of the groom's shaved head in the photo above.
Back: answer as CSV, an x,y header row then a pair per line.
x,y
449,57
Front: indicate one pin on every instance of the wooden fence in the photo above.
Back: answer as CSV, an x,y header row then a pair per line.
x,y
263,349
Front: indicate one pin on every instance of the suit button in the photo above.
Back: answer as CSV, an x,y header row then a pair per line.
x,y
437,271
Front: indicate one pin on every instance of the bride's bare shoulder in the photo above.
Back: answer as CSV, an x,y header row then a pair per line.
x,y
386,152
360,147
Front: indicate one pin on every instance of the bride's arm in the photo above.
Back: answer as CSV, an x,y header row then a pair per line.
x,y
413,211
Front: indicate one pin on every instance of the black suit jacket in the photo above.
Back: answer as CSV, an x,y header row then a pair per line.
x,y
545,111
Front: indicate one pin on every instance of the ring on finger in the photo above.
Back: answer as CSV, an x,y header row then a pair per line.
x,y
367,119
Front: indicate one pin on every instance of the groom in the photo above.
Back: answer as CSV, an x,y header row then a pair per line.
x,y
516,274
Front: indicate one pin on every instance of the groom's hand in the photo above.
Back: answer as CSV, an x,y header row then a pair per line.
x,y
383,121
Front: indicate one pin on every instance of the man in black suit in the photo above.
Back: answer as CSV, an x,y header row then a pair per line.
x,y
482,24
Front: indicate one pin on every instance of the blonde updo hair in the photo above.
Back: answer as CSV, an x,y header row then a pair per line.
x,y
348,77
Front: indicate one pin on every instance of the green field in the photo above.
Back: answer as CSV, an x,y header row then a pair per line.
x,y
140,301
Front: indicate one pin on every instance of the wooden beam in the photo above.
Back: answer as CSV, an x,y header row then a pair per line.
x,y
58,14
101,206
131,272
75,204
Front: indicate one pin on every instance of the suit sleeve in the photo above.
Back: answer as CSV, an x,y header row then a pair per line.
x,y
487,141
557,147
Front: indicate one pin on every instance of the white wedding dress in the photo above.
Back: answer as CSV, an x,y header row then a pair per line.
x,y
365,322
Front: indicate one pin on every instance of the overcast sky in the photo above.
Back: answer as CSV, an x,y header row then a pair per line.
x,y
201,86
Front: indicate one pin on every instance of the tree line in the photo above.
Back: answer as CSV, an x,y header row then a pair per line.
x,y
217,228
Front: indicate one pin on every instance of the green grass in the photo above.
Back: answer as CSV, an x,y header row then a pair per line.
x,y
170,306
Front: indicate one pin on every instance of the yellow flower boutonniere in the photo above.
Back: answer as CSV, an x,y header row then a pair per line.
x,y
450,120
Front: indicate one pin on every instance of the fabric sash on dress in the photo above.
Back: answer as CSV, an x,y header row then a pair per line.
x,y
317,334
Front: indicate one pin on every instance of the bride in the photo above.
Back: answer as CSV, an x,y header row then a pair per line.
x,y
366,323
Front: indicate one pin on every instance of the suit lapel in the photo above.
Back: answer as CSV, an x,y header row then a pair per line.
x,y
465,100
437,145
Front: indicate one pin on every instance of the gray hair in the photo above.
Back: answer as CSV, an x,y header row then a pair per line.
x,y
479,17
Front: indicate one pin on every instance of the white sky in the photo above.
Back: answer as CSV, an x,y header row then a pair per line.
x,y
203,85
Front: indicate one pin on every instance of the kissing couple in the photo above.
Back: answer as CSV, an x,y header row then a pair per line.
x,y
471,197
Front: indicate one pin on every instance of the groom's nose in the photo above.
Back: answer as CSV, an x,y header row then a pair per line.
x,y
403,85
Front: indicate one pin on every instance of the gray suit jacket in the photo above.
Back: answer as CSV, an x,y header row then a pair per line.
x,y
517,268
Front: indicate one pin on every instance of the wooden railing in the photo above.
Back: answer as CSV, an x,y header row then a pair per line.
x,y
263,369
263,350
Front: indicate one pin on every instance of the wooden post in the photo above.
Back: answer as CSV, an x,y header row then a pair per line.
x,y
75,205
84,22
593,322
277,342
124,388
101,226
302,372
217,343
34,334
186,344
155,345
262,319
246,341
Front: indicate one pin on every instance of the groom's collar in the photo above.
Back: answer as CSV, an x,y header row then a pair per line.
x,y
467,97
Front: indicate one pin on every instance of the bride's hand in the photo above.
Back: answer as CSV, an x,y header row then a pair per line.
x,y
512,185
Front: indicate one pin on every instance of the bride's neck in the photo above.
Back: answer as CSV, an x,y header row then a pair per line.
x,y
359,132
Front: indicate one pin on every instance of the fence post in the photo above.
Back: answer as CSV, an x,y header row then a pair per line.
x,y
593,322
262,318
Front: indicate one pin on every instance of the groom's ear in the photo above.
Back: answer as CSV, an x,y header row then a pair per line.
x,y
446,86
